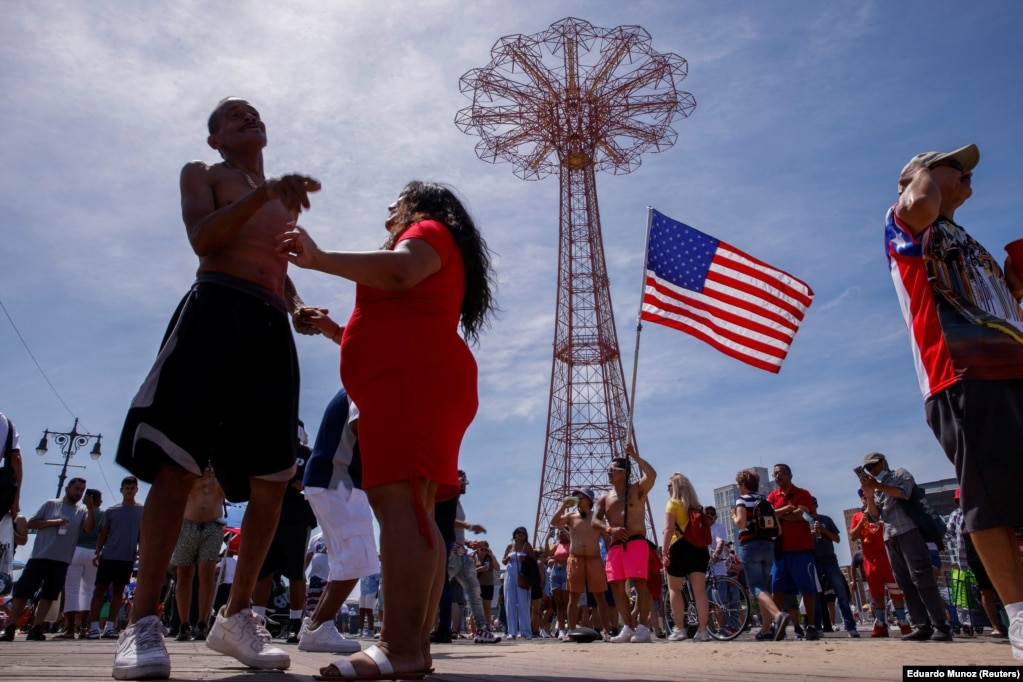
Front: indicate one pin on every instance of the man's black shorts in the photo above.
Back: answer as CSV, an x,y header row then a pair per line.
x,y
114,572
224,389
980,427
46,572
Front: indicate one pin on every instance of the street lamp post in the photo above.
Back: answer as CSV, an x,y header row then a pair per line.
x,y
69,444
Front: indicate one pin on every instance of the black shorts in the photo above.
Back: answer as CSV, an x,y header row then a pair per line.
x,y
980,427
48,573
457,593
487,593
223,390
114,572
686,558
287,552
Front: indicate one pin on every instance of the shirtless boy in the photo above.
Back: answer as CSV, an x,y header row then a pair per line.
x,y
585,568
621,513
224,388
199,544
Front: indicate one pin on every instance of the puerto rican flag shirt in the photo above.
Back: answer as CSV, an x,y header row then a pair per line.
x,y
963,321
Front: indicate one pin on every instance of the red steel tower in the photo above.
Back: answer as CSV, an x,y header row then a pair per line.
x,y
572,100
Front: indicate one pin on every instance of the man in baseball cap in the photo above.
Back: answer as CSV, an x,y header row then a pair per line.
x,y
966,332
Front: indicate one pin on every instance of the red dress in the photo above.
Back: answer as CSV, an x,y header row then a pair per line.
x,y
411,375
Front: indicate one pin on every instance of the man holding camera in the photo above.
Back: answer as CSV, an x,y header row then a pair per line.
x,y
910,558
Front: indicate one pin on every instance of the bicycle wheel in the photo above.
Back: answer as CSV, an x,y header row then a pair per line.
x,y
729,608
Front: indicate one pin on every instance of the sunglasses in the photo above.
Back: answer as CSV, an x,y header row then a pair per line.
x,y
951,163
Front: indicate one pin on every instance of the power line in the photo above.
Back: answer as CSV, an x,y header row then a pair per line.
x,y
28,350
31,355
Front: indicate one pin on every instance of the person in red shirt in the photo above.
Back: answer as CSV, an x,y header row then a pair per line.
x,y
878,572
795,569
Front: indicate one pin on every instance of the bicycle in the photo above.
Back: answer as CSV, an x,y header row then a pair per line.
x,y
729,607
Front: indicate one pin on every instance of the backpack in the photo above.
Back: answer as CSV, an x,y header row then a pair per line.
x,y
763,521
697,532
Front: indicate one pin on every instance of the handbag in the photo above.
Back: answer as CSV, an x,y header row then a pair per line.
x,y
523,580
920,510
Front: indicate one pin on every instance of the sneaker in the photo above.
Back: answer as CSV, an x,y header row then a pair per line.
x,y
625,635
141,653
110,634
93,634
642,635
905,628
780,623
677,635
1016,636
544,634
485,636
199,632
244,637
762,636
184,634
812,633
8,635
942,633
438,637
853,634
325,638
35,634
294,629
702,636
880,630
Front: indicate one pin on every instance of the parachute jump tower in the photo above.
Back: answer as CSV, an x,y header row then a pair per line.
x,y
573,100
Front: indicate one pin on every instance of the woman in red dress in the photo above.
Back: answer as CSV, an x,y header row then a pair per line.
x,y
413,378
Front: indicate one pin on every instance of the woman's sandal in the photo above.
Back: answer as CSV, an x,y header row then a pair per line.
x,y
385,671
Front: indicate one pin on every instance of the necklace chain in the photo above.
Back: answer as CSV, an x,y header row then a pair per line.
x,y
248,178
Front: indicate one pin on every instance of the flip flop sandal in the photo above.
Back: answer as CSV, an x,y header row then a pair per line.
x,y
346,671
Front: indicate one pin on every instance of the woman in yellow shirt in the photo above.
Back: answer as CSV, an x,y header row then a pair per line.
x,y
683,560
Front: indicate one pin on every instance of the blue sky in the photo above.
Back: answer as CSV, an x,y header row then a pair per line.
x,y
806,112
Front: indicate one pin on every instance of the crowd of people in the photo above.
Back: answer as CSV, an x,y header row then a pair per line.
x,y
217,416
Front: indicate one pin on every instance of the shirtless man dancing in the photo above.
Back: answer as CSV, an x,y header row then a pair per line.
x,y
585,568
223,390
621,513
199,544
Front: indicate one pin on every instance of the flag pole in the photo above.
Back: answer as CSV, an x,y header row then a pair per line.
x,y
639,327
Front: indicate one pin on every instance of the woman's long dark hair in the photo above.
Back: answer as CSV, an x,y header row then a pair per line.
x,y
431,201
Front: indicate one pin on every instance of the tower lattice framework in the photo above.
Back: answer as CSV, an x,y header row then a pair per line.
x,y
572,100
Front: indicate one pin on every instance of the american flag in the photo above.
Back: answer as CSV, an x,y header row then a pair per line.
x,y
702,286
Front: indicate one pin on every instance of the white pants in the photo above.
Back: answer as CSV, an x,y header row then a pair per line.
x,y
80,581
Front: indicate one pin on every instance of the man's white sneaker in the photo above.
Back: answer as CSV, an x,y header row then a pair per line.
x,y
93,634
244,636
141,653
702,636
642,635
325,638
625,635
677,635
1016,636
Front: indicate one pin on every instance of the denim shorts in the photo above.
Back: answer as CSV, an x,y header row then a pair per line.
x,y
757,556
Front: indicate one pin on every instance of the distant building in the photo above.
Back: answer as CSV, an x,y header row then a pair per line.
x,y
725,497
